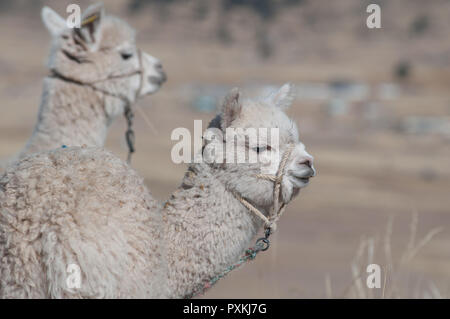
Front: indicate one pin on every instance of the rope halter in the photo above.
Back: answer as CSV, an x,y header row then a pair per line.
x,y
277,210
129,115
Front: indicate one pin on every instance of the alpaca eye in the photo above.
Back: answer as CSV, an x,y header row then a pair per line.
x,y
260,149
126,56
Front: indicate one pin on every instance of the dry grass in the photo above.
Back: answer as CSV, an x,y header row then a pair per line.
x,y
397,279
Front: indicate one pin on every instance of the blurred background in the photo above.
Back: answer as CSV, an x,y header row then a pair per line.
x,y
372,106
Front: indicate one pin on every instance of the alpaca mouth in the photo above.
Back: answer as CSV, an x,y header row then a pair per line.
x,y
299,182
304,180
304,174
158,80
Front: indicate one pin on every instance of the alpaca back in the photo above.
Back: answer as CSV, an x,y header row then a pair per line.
x,y
81,207
3,164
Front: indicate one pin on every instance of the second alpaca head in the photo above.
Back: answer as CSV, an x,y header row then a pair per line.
x,y
267,113
102,51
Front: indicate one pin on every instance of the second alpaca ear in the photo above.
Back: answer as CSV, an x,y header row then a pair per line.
x,y
231,108
284,97
54,23
91,21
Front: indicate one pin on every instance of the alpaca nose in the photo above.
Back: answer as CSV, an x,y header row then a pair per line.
x,y
159,80
159,67
308,161
162,75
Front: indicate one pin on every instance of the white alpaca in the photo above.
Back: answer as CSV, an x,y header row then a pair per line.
x,y
84,206
95,71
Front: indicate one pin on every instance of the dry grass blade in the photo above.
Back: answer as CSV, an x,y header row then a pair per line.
x,y
147,120
411,253
328,291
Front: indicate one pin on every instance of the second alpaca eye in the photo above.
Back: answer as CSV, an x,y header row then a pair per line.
x,y
126,56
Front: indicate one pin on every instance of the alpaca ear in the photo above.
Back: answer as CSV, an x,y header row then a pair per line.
x,y
231,108
284,97
54,23
90,30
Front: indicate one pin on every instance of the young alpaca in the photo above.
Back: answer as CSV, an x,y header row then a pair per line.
x,y
95,72
84,206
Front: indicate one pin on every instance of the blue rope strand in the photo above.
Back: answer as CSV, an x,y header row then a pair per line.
x,y
249,255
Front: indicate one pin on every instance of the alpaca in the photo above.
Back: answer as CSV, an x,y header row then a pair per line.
x,y
86,207
95,72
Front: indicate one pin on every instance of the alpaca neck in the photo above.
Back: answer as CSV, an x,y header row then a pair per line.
x,y
69,114
206,228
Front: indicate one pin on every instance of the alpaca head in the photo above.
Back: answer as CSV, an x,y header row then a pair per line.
x,y
103,52
260,116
